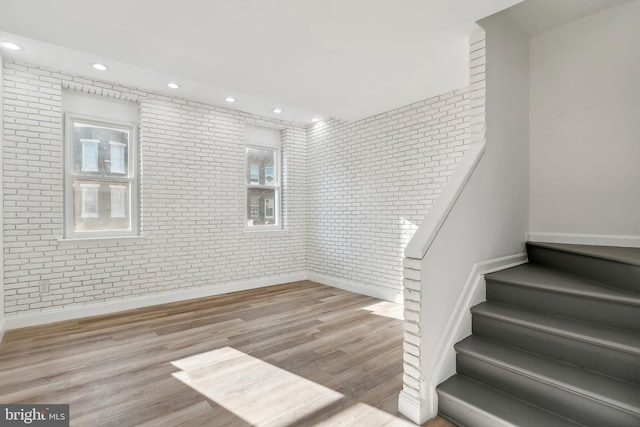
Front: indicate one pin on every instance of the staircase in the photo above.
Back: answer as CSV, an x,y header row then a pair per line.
x,y
557,343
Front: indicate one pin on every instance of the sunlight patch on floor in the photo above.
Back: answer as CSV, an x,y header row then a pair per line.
x,y
387,309
256,391
362,414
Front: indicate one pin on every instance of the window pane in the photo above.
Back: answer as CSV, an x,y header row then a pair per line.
x,y
101,205
100,150
261,207
262,163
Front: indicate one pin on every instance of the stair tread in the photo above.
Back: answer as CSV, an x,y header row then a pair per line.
x,y
622,255
598,387
545,278
498,405
617,339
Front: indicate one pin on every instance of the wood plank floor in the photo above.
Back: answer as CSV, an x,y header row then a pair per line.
x,y
289,355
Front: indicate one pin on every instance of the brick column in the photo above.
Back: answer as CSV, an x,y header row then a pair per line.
x,y
411,356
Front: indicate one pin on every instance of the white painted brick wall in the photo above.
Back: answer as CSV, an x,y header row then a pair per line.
x,y
192,199
371,183
413,364
353,193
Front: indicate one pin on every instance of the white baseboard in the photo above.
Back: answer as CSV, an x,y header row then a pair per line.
x,y
3,325
70,313
443,362
145,301
347,285
416,410
585,239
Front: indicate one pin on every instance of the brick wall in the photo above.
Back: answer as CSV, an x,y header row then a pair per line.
x,y
353,193
413,350
192,200
2,321
371,182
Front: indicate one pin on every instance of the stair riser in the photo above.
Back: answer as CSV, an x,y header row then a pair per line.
x,y
461,415
565,403
607,313
467,402
615,274
590,356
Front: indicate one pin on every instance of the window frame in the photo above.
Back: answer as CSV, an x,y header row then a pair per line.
x,y
277,187
131,178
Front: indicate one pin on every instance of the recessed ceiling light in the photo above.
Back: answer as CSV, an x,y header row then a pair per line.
x,y
100,67
277,110
174,85
11,45
315,120
230,99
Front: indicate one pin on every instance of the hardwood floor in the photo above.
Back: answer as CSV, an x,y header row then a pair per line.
x,y
290,355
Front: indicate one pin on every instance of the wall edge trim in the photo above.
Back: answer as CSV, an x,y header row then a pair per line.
x,y
340,283
585,239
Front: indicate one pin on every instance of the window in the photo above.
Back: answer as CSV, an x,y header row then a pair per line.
x,y
89,155
117,157
263,179
254,174
89,198
118,201
268,208
254,208
100,178
269,175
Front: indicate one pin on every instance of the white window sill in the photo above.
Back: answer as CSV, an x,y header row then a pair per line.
x,y
94,241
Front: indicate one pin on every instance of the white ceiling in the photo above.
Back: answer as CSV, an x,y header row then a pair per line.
x,y
343,58
537,16
348,59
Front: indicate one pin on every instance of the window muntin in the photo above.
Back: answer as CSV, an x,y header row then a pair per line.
x,y
100,178
263,187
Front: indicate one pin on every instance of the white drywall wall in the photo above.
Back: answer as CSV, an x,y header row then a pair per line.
x,y
490,217
585,126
